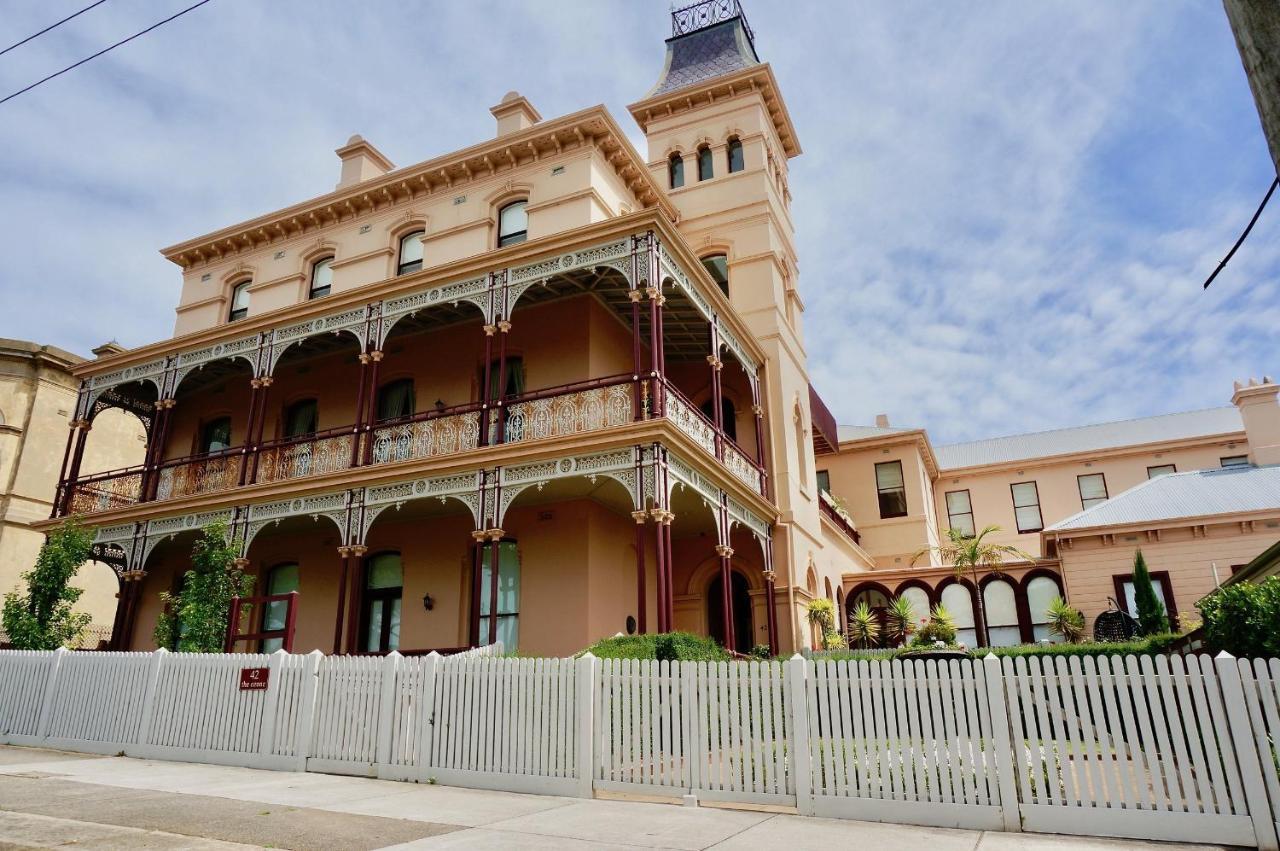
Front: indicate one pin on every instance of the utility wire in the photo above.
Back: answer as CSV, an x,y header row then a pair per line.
x,y
1239,241
104,50
51,26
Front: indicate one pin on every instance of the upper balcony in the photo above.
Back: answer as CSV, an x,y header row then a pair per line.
x,y
560,338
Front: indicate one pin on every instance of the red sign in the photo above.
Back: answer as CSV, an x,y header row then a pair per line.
x,y
253,679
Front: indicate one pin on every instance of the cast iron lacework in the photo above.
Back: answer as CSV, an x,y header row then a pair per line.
x,y
619,465
708,13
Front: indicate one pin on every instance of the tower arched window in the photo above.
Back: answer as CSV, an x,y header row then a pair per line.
x,y
239,301
734,154
718,267
411,252
321,277
513,223
675,170
706,164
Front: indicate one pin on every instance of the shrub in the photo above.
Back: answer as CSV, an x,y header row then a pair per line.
x,y
42,619
1152,619
900,620
195,619
1242,619
939,627
1146,646
1065,620
864,627
682,646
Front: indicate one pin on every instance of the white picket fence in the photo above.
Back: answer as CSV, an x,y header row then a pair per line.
x,y
1180,748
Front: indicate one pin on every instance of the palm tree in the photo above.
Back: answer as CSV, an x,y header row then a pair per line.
x,y
970,554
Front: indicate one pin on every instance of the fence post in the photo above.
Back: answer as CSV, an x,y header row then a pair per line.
x,y
387,707
270,703
149,696
587,667
426,715
307,708
1245,740
50,691
1004,756
798,746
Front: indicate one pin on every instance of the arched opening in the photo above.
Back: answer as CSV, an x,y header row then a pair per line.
x,y
728,413
110,473
957,599
513,223
733,152
876,597
1040,591
920,600
740,591
675,170
717,266
1000,604
706,164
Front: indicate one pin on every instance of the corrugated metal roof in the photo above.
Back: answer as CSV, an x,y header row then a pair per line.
x,y
1065,441
1201,493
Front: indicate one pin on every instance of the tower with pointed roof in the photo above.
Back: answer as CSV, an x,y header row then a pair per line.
x,y
720,140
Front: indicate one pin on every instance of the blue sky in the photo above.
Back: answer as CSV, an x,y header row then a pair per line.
x,y
1004,209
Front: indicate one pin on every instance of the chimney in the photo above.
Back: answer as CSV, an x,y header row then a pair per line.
x,y
111,347
360,161
514,114
1261,415
882,420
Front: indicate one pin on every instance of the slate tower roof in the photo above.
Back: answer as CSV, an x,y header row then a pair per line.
x,y
708,39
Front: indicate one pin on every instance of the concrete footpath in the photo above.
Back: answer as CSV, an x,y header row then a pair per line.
x,y
50,799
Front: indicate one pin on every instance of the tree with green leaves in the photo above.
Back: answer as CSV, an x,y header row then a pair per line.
x,y
42,618
864,626
194,620
1065,620
900,620
971,555
1152,619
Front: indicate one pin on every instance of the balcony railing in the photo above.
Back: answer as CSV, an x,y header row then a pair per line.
x,y
837,515
572,409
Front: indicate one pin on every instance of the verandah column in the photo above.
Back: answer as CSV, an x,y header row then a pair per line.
x,y
344,553
489,331
637,396
642,624
354,597
82,434
726,594
717,405
771,610
499,412
155,449
371,407
358,428
495,543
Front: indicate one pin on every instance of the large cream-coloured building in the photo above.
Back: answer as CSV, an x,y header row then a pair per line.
x,y
554,353
37,400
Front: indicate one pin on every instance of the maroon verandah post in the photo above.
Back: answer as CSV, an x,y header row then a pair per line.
x,y
345,554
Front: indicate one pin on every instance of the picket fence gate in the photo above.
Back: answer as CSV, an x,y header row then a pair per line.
x,y
1175,748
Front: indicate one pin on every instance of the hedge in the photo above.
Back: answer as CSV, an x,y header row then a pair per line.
x,y
1149,646
681,646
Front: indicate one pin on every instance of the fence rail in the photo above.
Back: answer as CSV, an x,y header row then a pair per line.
x,y
1180,748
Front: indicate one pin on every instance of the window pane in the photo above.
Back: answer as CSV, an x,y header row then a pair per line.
x,y
675,169
718,266
963,523
1025,493
1130,598
1161,470
513,224
1028,518
373,637
959,604
396,399
411,253
889,475
282,580
385,571
735,155
1092,487
824,481
301,418
1040,593
704,164
1235,461
919,600
217,435
321,277
893,504
240,298
958,502
393,638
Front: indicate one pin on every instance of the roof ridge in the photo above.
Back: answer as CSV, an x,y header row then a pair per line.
x,y
1085,425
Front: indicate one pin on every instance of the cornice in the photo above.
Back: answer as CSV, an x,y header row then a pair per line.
x,y
593,126
757,78
1095,454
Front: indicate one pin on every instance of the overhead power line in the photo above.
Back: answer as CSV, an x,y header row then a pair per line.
x,y
1248,228
51,26
104,50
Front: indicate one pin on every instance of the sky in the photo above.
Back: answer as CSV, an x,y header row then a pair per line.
x,y
1004,210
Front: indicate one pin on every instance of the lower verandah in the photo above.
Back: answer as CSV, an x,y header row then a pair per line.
x,y
567,577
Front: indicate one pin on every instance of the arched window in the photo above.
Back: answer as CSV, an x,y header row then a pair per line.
x,y
958,602
675,170
239,301
1001,607
411,252
877,601
321,277
705,165
717,265
395,399
215,435
919,600
500,622
734,152
1040,593
282,579
301,418
380,616
513,223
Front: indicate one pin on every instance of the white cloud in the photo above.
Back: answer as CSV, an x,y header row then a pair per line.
x,y
1003,209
